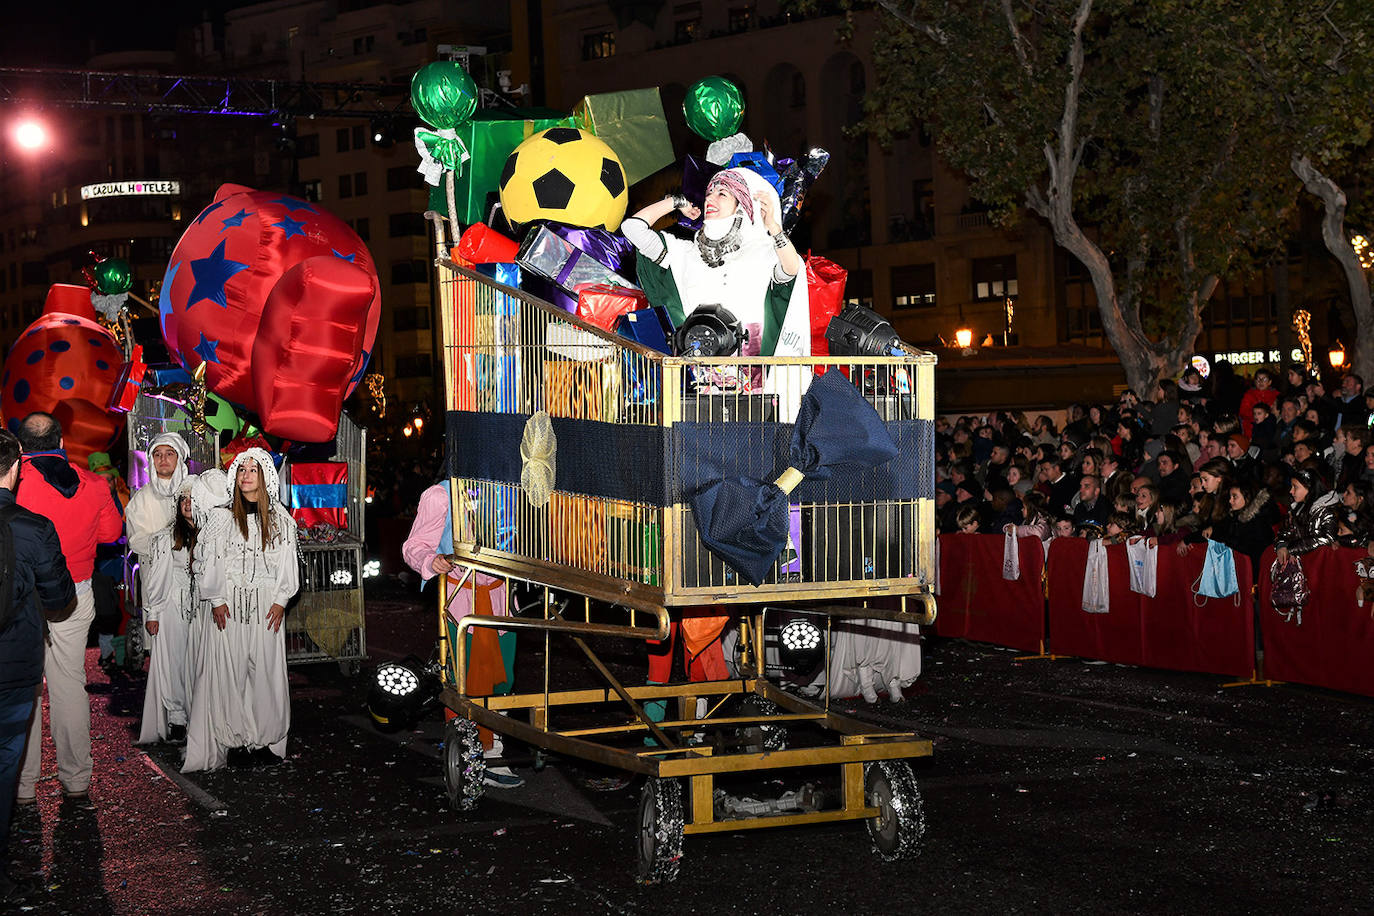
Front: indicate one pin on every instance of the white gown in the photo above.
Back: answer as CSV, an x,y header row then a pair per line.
x,y
241,695
880,649
168,598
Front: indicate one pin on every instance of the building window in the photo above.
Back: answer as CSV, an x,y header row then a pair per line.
x,y
598,45
359,136
913,286
402,178
359,184
405,224
363,226
307,146
341,137
739,18
415,270
994,278
363,44
311,190
416,365
685,30
858,288
410,319
798,99
345,186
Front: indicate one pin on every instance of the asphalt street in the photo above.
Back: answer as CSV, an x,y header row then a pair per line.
x,y
1055,786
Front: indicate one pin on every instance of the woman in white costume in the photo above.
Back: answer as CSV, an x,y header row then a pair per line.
x,y
171,611
242,708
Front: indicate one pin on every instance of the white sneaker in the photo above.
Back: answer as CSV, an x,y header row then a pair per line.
x,y
502,778
894,691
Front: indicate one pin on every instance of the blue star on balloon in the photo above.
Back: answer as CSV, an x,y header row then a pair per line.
x,y
206,349
362,368
208,210
235,220
292,204
346,257
290,226
164,298
211,274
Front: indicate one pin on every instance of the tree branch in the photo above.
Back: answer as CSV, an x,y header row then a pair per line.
x,y
925,28
1018,40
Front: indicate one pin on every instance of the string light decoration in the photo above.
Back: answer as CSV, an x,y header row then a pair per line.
x,y
376,387
1302,323
1363,250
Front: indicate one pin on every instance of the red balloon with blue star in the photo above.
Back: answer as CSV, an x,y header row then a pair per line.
x,y
280,299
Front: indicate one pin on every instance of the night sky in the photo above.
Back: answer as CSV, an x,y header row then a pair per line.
x,y
66,35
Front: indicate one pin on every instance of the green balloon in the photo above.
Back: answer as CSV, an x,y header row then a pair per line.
x,y
714,108
443,94
113,276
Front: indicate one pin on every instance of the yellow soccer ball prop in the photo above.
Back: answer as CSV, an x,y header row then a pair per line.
x,y
565,175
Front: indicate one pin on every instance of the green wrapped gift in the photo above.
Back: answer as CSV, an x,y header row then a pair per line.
x,y
490,137
632,124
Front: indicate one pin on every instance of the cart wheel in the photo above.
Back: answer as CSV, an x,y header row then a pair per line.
x,y
764,737
660,830
896,830
465,767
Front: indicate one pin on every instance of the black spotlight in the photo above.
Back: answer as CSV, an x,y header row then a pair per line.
x,y
801,645
383,133
860,331
401,692
711,330
285,127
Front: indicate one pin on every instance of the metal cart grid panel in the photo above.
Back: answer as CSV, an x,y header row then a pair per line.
x,y
326,623
507,352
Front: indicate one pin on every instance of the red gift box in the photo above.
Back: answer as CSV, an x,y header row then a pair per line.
x,y
481,244
319,493
125,391
825,288
602,304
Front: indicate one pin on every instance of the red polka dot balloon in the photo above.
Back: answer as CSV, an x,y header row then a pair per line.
x,y
280,299
65,364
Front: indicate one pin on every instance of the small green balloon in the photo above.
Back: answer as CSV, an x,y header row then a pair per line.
x,y
113,276
714,108
443,94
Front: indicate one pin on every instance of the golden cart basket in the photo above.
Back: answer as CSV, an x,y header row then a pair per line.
x,y
614,551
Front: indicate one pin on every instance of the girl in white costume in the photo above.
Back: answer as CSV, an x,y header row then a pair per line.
x,y
171,615
242,708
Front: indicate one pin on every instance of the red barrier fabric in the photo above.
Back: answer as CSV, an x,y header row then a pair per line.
x,y
1112,637
1184,631
977,603
1334,645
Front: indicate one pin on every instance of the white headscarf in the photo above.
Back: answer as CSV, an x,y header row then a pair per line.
x,y
177,444
209,490
271,483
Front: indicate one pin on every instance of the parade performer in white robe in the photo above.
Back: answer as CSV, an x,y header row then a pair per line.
x,y
171,615
153,506
242,708
870,655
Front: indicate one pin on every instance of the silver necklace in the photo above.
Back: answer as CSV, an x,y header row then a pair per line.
x,y
714,252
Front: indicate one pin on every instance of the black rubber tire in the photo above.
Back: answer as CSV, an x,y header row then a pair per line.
x,y
659,850
465,766
896,831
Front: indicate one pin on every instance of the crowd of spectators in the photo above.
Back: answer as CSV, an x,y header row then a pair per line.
x,y
1279,459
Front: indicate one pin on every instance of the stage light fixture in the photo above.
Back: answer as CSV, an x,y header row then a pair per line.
x,y
800,644
401,693
860,331
711,330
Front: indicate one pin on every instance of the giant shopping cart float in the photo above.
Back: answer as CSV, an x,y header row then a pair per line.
x,y
616,552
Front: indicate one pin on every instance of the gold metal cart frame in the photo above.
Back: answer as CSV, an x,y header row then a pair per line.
x,y
507,352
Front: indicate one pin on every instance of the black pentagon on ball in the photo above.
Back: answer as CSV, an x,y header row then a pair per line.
x,y
508,172
562,134
553,190
612,176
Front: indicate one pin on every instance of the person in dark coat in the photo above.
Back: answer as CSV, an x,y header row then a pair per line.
x,y
1092,509
1249,527
1173,480
40,588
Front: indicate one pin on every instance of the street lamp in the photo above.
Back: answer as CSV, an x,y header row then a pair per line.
x,y
30,134
1337,355
964,338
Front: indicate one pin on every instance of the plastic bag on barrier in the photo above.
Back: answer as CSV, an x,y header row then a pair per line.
x,y
1096,587
1218,579
1144,559
1011,557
